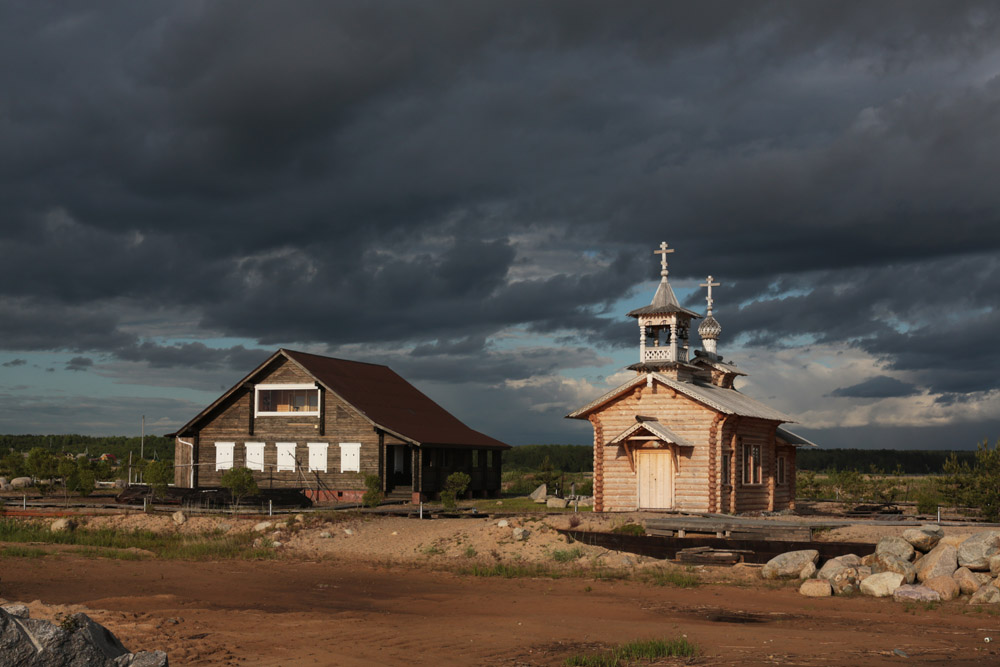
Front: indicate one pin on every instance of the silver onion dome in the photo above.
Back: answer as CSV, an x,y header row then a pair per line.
x,y
709,328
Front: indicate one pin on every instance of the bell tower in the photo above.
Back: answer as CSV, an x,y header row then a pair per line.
x,y
664,327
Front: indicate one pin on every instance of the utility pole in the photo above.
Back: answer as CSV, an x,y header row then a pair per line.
x,y
142,439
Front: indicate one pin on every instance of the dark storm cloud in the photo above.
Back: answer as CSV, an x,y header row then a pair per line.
x,y
880,386
79,364
14,362
431,175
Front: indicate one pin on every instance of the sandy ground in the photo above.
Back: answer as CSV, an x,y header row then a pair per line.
x,y
385,591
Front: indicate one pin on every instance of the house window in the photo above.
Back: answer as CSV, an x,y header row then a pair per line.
x,y
350,457
751,464
780,472
475,458
317,456
726,481
255,455
286,399
489,458
286,456
224,455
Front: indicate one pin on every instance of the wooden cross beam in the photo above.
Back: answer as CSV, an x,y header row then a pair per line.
x,y
663,252
709,284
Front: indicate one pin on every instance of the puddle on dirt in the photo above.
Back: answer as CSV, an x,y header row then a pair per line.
x,y
736,618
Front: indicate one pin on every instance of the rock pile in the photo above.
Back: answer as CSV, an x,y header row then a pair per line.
x,y
921,566
76,642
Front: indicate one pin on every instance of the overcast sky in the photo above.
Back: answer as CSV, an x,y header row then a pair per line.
x,y
470,192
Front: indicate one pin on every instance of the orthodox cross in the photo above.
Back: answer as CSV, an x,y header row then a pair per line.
x,y
663,252
709,284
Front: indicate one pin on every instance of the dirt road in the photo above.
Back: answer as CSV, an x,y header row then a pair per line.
x,y
291,612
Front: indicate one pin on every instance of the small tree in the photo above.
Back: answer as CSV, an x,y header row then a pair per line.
x,y
85,483
40,465
158,475
240,483
373,495
454,486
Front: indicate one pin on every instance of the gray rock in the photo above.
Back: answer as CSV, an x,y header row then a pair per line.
x,y
556,503
850,560
539,494
923,539
4,481
179,517
224,527
975,552
143,659
17,609
911,593
994,563
895,546
789,565
300,518
864,572
325,535
986,595
816,588
968,582
889,562
275,544
940,561
831,568
520,534
503,523
348,531
76,642
881,585
20,482
585,501
16,647
62,525
808,571
262,526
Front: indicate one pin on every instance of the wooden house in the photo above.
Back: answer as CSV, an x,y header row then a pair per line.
x,y
679,435
320,424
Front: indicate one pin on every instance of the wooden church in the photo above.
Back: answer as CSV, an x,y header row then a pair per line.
x,y
679,435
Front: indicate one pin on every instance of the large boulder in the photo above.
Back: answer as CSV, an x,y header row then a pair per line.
x,y
994,562
539,494
881,585
263,526
945,586
911,593
816,588
955,540
986,595
76,642
924,538
975,552
889,562
831,568
179,517
942,560
895,546
62,525
20,482
556,503
791,565
850,560
968,582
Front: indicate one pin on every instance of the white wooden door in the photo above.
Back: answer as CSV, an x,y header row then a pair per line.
x,y
655,471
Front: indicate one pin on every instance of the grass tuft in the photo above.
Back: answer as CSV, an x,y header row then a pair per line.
x,y
567,555
671,577
629,529
652,649
22,552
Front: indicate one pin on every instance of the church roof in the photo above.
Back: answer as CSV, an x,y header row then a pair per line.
x,y
793,438
726,401
664,302
716,364
382,396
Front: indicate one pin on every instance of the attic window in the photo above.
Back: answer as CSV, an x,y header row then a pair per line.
x,y
284,400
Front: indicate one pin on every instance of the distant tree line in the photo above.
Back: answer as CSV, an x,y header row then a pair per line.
x,y
567,458
909,461
94,446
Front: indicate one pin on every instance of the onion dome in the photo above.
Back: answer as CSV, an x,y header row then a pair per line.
x,y
709,328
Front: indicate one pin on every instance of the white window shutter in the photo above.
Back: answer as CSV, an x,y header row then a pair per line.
x,y
224,455
286,456
255,455
317,456
350,457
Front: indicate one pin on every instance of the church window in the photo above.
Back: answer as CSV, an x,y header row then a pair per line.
x,y
751,464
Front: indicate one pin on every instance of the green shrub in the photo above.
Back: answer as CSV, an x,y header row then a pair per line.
x,y
159,475
927,502
373,495
240,483
629,529
454,486
566,555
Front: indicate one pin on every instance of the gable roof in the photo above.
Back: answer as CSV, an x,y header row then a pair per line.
x,y
726,401
382,396
793,438
716,364
656,428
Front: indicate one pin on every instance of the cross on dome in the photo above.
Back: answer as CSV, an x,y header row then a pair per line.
x,y
709,284
663,252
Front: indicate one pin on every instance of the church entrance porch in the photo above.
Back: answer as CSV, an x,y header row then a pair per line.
x,y
655,474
